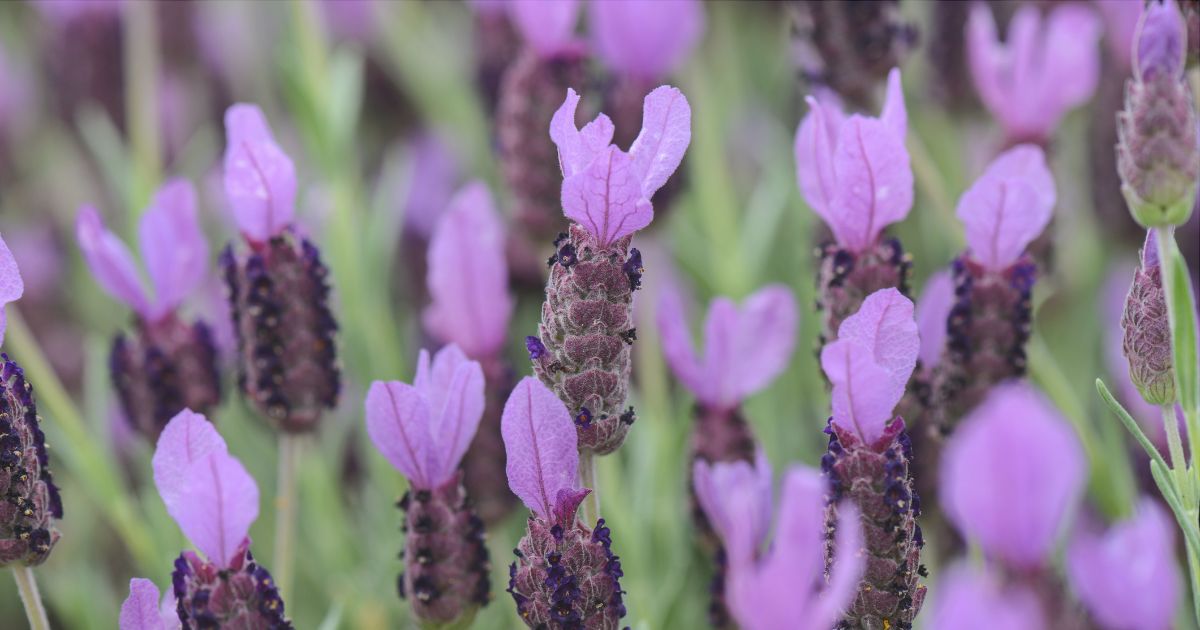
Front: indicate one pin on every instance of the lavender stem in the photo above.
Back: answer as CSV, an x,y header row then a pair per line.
x,y
285,512
27,586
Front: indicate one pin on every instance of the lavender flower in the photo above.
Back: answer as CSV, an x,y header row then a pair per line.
x,y
854,172
214,500
586,326
870,455
566,574
166,365
967,595
32,505
1127,577
1042,69
278,286
423,430
143,610
1146,342
1158,155
1002,212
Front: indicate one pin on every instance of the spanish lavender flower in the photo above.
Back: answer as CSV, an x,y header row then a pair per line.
x,y
587,320
565,575
869,457
849,47
854,172
143,610
1146,342
968,596
32,503
166,364
1127,576
424,429
1158,155
471,307
278,286
1043,69
1002,212
434,176
214,500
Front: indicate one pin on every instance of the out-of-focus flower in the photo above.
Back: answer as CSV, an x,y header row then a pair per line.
x,y
966,596
565,572
1044,67
1012,475
584,340
1127,577
1120,26
645,40
424,429
1007,207
433,176
1146,343
143,610
16,96
937,298
736,498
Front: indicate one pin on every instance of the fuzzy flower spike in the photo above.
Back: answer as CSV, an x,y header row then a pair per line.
x,y
584,344
278,286
991,318
423,429
565,575
31,502
214,500
854,172
870,455
166,365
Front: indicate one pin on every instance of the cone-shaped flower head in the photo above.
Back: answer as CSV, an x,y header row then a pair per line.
x,y
967,595
143,610
785,588
1043,68
468,275
423,429
278,286
1012,475
1158,154
166,365
1146,343
854,171
1127,576
566,574
1007,207
214,500
645,40
32,505
583,347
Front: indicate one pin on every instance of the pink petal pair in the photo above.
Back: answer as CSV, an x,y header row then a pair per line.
x,y
736,497
645,40
605,189
423,429
260,181
870,363
468,275
173,246
1008,206
1043,68
142,610
854,172
548,26
1011,476
541,446
206,490
11,285
968,596
744,348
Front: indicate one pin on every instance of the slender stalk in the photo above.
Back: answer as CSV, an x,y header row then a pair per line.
x,y
27,586
285,513
141,98
587,479
1179,466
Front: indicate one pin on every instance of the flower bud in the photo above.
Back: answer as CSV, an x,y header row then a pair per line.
x,y
31,501
845,279
242,595
287,356
1146,342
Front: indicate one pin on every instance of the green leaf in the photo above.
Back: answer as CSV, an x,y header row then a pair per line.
x,y
1130,424
1183,330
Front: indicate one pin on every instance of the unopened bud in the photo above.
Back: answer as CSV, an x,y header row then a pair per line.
x,y
1147,331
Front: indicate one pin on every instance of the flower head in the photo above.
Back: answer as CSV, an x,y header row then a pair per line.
x,y
1043,68
854,171
745,347
1008,206
967,595
645,40
260,180
1146,342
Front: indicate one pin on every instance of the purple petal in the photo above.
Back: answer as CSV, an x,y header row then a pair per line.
x,y
140,610
677,346
548,26
110,261
874,182
1120,23
260,180
966,595
884,323
1161,42
848,567
1127,578
645,39
606,198
736,497
894,113
986,56
189,437
1011,476
766,337
1072,68
11,285
933,309
720,353
816,140
540,442
665,135
458,419
468,275
864,392
432,174
1007,207
1150,250
398,421
566,505
577,149
173,246
219,501
434,378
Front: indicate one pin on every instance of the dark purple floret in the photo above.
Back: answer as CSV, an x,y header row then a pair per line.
x,y
845,279
634,269
583,419
29,500
535,347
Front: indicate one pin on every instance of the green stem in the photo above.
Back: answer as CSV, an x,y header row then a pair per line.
x,y
587,479
141,98
285,513
1179,465
27,586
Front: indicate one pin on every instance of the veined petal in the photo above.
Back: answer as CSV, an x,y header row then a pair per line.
x,y
937,298
219,501
173,245
1007,207
110,261
187,438
606,197
540,442
884,324
459,419
665,135
577,149
864,392
677,346
874,182
260,179
398,421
